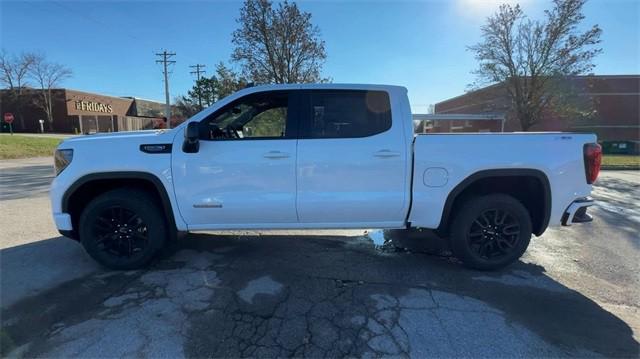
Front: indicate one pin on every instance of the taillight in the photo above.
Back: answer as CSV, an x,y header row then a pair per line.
x,y
592,160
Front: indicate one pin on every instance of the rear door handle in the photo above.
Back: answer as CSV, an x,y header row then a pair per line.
x,y
275,155
386,154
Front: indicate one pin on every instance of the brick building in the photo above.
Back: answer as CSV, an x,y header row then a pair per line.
x,y
80,112
615,101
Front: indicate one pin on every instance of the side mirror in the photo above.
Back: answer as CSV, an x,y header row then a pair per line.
x,y
191,142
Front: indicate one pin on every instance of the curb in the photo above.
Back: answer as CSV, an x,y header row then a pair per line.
x,y
620,168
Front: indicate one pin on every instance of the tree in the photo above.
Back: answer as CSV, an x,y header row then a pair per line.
x,y
531,58
14,71
204,92
277,45
185,107
48,75
228,81
211,89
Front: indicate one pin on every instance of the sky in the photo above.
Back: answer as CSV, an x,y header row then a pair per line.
x,y
422,45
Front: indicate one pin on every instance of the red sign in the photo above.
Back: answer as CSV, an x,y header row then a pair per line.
x,y
8,117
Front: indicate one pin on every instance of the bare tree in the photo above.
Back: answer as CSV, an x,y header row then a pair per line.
x,y
14,71
531,58
48,75
278,45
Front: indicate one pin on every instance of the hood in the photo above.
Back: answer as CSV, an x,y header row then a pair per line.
x,y
149,135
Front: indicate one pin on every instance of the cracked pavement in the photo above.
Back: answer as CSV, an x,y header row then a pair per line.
x,y
320,294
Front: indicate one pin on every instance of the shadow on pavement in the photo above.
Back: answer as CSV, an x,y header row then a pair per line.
x,y
231,296
629,227
22,182
31,268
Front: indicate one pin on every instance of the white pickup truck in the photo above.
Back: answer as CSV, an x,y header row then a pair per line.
x,y
319,156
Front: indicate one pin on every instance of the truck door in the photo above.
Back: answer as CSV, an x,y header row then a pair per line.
x,y
244,174
352,161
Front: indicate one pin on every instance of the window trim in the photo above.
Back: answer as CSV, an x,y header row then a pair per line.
x,y
306,109
291,125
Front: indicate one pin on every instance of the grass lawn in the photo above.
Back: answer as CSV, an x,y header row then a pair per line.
x,y
621,161
17,146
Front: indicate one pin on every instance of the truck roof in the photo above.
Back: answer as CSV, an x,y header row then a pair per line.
x,y
324,86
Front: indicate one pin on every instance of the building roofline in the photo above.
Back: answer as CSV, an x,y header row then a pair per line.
x,y
470,92
93,93
142,99
124,98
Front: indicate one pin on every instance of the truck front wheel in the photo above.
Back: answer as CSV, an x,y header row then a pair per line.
x,y
122,228
490,231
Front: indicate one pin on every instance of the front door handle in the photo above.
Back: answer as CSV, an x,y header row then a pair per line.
x,y
386,154
275,155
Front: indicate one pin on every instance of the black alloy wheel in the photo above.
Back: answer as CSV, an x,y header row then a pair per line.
x,y
494,234
123,228
490,231
120,232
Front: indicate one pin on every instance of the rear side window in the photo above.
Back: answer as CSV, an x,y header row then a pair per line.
x,y
347,114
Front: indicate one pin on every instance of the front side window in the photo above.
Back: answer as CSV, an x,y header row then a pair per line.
x,y
345,114
269,123
262,115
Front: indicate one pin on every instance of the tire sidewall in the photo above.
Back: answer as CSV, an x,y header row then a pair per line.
x,y
136,201
471,210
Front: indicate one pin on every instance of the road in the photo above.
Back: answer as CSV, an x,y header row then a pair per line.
x,y
574,293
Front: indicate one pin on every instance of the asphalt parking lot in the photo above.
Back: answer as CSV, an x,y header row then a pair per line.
x,y
576,292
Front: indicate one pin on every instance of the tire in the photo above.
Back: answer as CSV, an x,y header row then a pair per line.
x,y
490,231
138,225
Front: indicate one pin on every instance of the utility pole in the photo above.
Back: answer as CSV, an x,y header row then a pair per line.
x,y
197,72
165,61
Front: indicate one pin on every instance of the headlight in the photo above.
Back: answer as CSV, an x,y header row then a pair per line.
x,y
61,160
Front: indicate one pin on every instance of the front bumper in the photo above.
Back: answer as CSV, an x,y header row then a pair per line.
x,y
64,224
63,221
577,212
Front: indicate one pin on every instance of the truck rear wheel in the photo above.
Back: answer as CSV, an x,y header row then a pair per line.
x,y
123,228
490,232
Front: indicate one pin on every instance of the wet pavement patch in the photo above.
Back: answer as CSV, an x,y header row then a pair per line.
x,y
262,285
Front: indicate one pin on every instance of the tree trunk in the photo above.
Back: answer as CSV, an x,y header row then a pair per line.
x,y
19,109
49,110
525,121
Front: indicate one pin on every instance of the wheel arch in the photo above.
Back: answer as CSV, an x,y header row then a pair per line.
x,y
479,183
89,186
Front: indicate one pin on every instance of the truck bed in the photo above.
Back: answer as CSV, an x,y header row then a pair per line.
x,y
444,161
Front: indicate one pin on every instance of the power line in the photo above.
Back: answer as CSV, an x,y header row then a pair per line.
x,y
165,56
197,72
